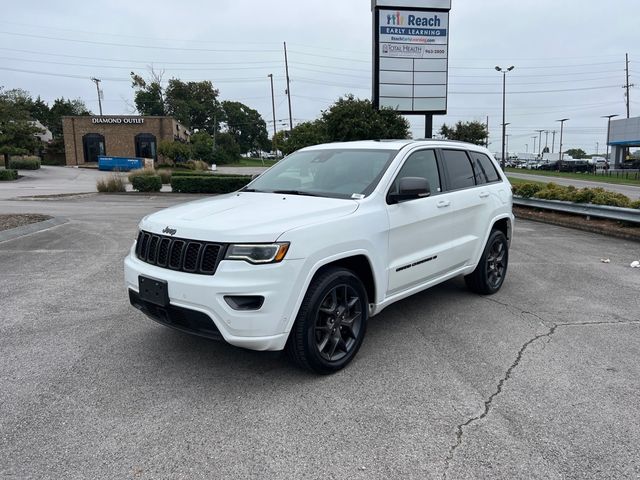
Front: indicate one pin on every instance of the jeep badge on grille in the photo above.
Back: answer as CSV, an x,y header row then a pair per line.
x,y
170,231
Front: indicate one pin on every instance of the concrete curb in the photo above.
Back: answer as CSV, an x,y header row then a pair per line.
x,y
13,233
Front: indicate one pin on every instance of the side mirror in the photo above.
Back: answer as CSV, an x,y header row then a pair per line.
x,y
410,188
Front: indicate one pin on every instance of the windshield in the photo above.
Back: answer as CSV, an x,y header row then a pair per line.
x,y
338,173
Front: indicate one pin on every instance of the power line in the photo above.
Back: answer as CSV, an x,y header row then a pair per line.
x,y
154,47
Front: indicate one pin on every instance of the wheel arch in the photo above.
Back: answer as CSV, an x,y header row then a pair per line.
x,y
360,266
356,261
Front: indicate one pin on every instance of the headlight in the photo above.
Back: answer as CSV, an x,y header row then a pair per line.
x,y
257,253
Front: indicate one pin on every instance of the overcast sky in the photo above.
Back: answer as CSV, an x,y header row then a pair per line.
x,y
569,57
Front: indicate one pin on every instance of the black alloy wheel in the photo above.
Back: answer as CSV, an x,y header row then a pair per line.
x,y
338,322
491,270
331,322
496,263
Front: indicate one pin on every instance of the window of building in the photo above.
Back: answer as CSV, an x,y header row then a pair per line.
x,y
93,146
146,146
459,170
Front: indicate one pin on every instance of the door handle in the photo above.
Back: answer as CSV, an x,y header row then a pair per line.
x,y
484,194
443,203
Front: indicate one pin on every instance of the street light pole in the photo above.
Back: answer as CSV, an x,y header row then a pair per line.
x,y
273,108
534,144
539,142
97,82
562,120
504,101
608,117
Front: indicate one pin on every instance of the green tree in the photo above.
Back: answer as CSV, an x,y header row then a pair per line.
x,y
202,147
17,131
64,107
472,132
227,150
194,104
351,119
40,111
176,151
302,135
149,96
576,153
247,127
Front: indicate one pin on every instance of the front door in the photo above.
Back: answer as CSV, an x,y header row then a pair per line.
x,y
419,229
93,144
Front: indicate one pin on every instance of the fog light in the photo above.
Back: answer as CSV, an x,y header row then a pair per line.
x,y
244,302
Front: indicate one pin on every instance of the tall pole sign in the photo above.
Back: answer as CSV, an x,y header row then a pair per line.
x,y
410,56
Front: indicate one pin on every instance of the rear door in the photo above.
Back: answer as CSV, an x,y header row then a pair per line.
x,y
466,206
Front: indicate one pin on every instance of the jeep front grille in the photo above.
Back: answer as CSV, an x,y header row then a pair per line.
x,y
191,256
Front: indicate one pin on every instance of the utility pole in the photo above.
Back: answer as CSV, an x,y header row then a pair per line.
x,y
487,142
540,142
286,67
553,142
627,85
534,144
273,108
97,82
546,139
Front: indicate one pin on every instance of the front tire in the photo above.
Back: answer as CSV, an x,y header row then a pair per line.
x,y
489,275
331,323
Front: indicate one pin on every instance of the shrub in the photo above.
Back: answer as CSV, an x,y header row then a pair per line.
x,y
165,176
197,165
208,184
8,175
140,173
526,190
596,196
24,163
113,183
611,198
176,151
191,173
147,183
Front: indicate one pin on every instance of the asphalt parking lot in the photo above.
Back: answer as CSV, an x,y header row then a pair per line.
x,y
541,380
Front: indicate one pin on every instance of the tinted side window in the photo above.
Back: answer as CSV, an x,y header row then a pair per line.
x,y
459,171
420,164
484,169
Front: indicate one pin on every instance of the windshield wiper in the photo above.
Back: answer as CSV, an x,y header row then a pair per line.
x,y
252,190
296,192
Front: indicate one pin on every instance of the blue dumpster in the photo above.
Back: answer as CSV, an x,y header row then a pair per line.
x,y
120,164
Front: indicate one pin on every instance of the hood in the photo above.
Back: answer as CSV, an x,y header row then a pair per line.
x,y
246,216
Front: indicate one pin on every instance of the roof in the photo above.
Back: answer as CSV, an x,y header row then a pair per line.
x,y
395,144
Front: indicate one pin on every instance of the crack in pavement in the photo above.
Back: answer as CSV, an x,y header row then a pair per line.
x,y
488,403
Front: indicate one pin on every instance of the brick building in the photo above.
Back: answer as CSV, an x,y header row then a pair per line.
x,y
87,137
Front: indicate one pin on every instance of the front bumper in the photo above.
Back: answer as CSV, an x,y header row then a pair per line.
x,y
197,305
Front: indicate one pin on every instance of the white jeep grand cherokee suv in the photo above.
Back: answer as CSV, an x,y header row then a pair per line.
x,y
301,257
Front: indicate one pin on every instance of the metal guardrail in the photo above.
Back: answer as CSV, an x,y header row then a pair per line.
x,y
599,211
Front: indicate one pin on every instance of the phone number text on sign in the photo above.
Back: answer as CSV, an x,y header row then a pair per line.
x,y
412,51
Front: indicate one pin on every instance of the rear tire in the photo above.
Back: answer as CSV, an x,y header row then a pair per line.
x,y
331,323
489,275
